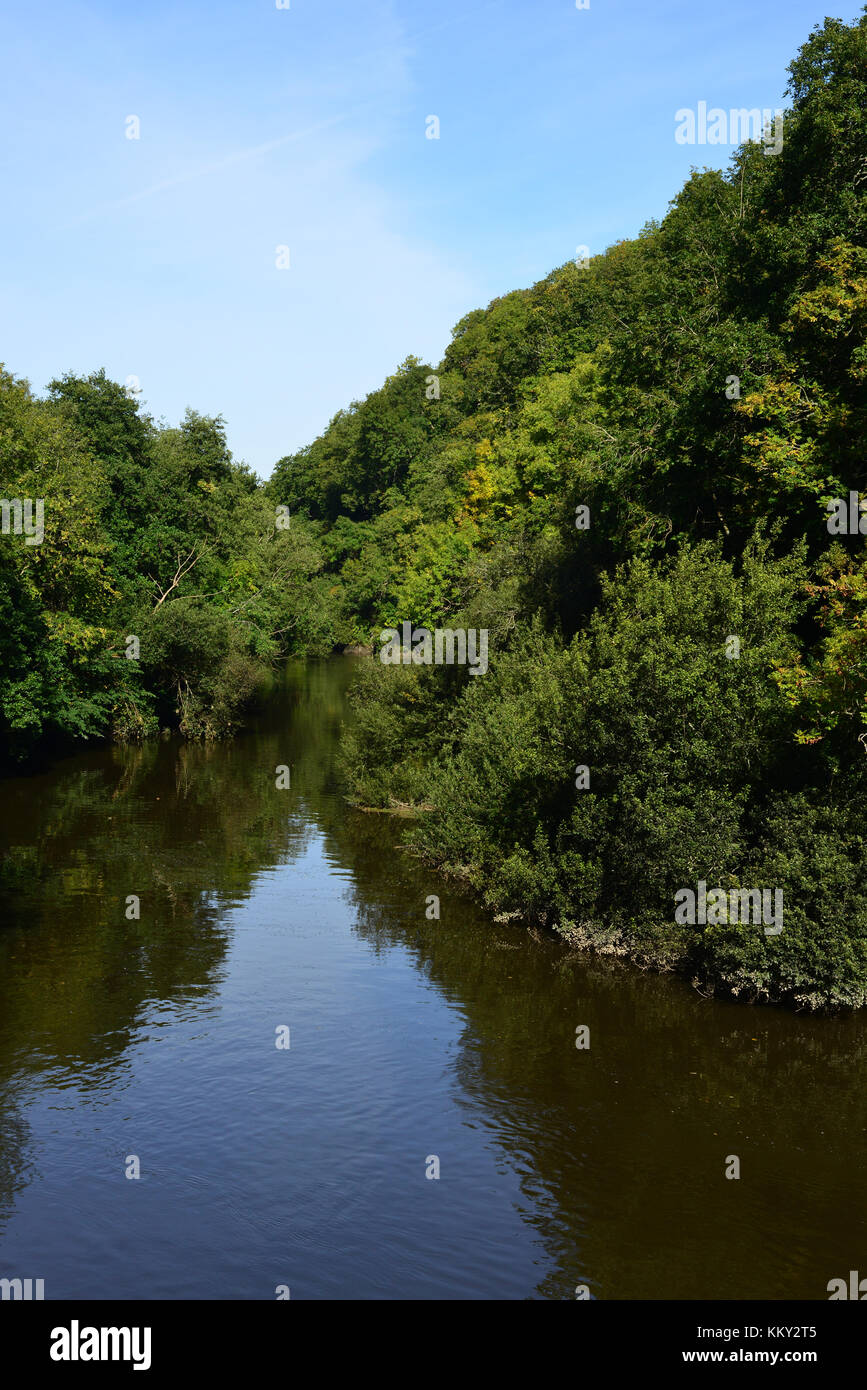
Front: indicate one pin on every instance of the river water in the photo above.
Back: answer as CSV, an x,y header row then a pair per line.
x,y
413,1043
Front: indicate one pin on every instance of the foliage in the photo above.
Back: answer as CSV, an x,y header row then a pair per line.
x,y
149,533
702,390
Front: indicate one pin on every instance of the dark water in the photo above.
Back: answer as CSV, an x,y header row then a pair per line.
x,y
265,908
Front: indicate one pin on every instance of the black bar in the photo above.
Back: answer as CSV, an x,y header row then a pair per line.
x,y
224,1338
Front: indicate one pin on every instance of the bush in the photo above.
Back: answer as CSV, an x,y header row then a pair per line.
x,y
694,775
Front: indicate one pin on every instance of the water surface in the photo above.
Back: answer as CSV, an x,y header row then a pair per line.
x,y
410,1040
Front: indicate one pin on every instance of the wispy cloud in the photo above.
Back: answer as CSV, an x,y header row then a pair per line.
x,y
215,167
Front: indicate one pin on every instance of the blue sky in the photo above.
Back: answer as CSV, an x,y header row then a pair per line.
x,y
305,127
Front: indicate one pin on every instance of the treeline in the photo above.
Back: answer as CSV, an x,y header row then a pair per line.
x,y
701,648
164,582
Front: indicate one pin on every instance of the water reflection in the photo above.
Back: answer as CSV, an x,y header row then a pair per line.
x,y
560,1166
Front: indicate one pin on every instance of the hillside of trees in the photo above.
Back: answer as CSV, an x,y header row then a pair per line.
x,y
702,391
612,386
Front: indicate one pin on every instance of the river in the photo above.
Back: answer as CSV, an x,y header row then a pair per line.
x,y
413,1045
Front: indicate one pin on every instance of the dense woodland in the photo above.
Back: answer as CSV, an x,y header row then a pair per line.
x,y
448,498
